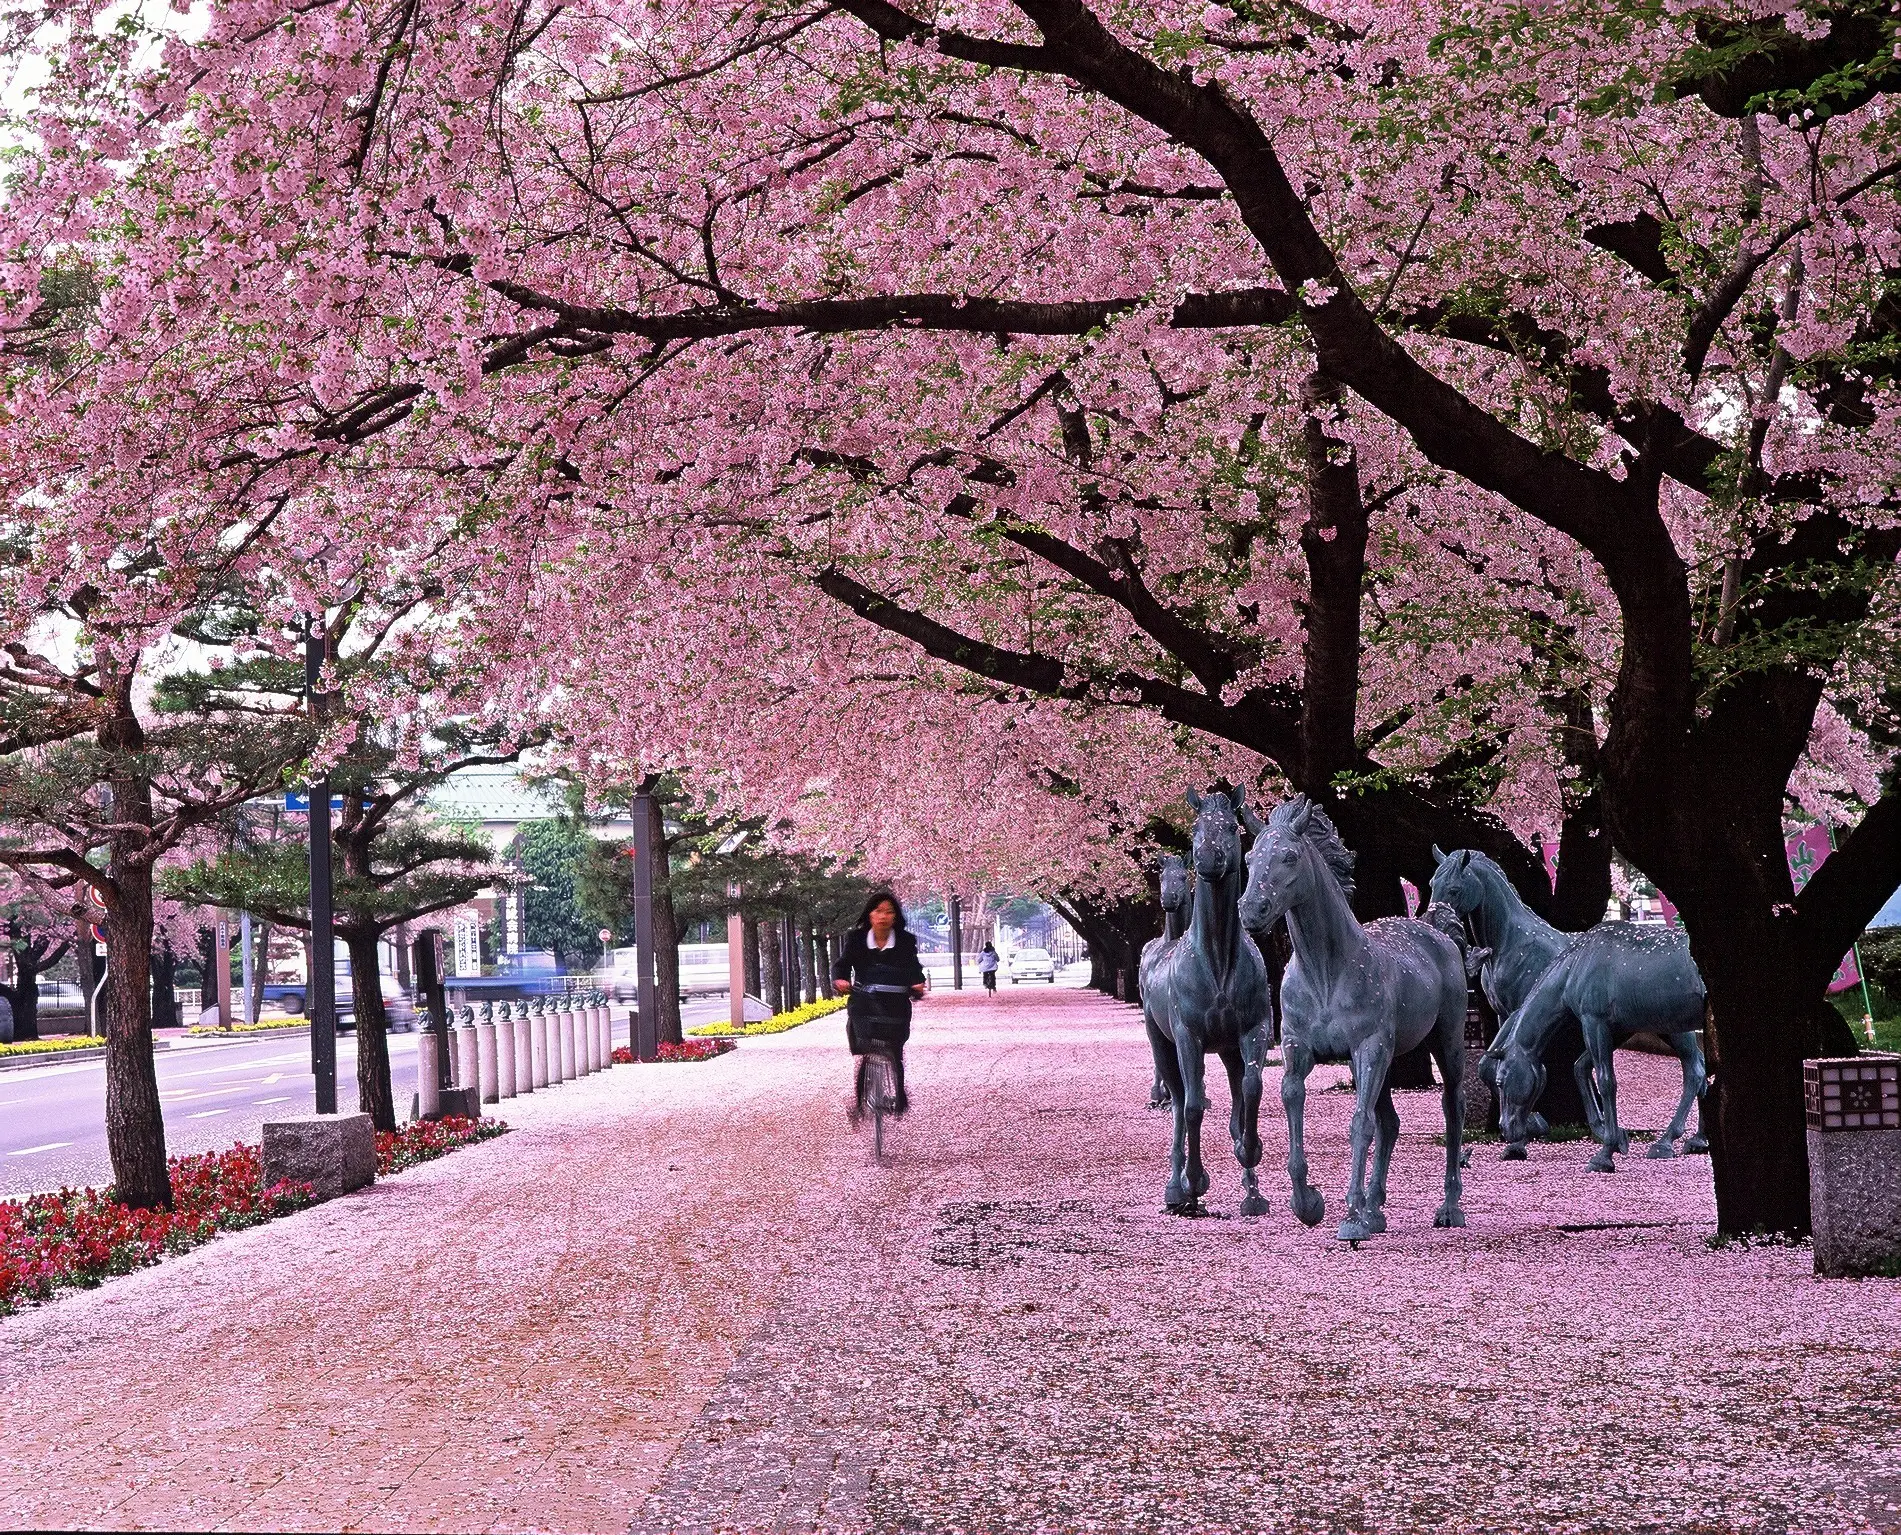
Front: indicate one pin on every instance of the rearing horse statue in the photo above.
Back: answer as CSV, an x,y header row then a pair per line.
x,y
1352,993
1176,885
1214,986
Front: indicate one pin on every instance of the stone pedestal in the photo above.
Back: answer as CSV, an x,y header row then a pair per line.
x,y
1475,1098
333,1153
467,1057
524,1058
428,1083
460,1103
538,1048
1854,1127
485,1063
505,1058
567,1047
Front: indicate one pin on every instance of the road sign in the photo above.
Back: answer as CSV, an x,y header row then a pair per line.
x,y
607,935
93,895
299,800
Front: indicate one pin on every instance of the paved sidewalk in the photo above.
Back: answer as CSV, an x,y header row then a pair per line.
x,y
681,1298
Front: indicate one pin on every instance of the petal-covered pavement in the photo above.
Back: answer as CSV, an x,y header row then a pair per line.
x,y
684,1298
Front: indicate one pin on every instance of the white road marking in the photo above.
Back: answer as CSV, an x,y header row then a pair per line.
x,y
272,1080
206,1113
262,1102
28,1151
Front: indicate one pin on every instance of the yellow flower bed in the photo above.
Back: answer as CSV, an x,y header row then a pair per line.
x,y
50,1046
778,1023
262,1026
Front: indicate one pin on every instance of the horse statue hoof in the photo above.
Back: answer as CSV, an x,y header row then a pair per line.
x,y
1254,1204
1514,1152
1353,1230
1201,1185
1661,1149
1177,1200
1695,1146
1309,1206
1449,1215
1374,1221
1604,1161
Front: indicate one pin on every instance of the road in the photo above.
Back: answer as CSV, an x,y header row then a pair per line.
x,y
52,1118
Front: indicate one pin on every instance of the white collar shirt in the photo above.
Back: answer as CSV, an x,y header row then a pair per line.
x,y
871,940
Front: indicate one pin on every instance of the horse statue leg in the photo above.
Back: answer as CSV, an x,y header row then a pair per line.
x,y
1448,1049
1386,1122
1243,1061
1370,1065
1169,1073
1194,1077
1297,1061
1611,1139
1691,1054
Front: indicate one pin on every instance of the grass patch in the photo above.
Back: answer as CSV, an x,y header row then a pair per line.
x,y
1726,1241
778,1023
1557,1135
50,1046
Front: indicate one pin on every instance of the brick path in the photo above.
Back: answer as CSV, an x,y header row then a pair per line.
x,y
680,1299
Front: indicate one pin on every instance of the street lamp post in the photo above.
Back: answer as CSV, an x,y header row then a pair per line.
x,y
957,943
321,1003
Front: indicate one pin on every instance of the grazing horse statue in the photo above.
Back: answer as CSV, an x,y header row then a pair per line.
x,y
1616,979
1176,886
1352,993
1215,995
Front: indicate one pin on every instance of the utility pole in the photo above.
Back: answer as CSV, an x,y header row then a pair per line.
x,y
321,1002
646,1031
957,943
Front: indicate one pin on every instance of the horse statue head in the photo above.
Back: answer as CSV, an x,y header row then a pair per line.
x,y
1519,1077
1455,879
1217,836
1176,887
1297,845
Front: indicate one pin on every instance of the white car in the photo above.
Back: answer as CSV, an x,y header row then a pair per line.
x,y
1032,965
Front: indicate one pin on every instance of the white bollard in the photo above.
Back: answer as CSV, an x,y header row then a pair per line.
x,y
568,1072
485,1061
465,1059
505,1058
524,1058
428,1088
538,1049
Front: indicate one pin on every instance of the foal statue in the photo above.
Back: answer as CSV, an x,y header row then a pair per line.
x,y
1212,994
1352,993
1616,979
1176,884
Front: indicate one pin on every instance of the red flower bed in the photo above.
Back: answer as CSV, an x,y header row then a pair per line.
x,y
81,1236
692,1050
428,1139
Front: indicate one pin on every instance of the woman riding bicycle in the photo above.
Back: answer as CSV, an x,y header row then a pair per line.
x,y
878,969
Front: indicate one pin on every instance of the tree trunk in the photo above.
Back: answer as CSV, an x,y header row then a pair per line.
x,y
771,991
808,966
749,944
85,963
164,995
1584,848
31,959
374,1095
135,1122
666,938
261,941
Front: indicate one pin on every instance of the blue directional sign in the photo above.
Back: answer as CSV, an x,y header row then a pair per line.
x,y
299,800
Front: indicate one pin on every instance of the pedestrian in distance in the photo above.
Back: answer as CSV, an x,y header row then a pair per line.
x,y
878,969
987,963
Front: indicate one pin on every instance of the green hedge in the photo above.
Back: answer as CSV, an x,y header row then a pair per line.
x,y
778,1023
262,1026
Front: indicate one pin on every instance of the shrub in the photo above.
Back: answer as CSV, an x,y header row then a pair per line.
x,y
778,1023
1881,958
427,1139
51,1046
690,1050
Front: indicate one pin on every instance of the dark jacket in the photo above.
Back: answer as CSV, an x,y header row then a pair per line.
x,y
881,1016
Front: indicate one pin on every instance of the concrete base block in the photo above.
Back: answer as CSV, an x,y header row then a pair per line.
x,y
1855,1201
333,1153
460,1103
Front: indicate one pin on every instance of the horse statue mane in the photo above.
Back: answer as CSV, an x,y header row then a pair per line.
x,y
1308,820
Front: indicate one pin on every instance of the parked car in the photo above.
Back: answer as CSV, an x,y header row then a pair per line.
x,y
1032,965
61,997
287,998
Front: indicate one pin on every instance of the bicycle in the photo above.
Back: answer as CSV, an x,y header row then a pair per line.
x,y
879,1093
